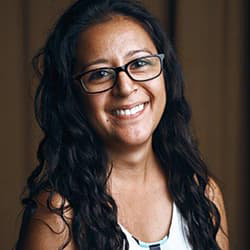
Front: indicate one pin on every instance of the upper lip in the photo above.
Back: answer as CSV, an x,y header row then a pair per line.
x,y
127,106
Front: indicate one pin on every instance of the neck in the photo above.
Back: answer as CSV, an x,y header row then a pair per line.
x,y
133,168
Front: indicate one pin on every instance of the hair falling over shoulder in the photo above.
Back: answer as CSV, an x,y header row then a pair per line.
x,y
72,159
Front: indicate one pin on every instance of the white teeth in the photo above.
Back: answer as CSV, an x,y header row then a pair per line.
x,y
128,112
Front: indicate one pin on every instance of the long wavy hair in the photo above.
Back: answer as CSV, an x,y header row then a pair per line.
x,y
73,160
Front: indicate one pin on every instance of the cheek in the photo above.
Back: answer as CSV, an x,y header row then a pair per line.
x,y
163,90
94,109
158,89
161,98
163,85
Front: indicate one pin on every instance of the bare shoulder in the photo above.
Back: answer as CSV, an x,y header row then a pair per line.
x,y
214,193
56,202
46,229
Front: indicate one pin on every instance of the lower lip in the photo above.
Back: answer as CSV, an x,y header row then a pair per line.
x,y
128,117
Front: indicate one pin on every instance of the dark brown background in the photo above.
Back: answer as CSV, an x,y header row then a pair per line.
x,y
210,37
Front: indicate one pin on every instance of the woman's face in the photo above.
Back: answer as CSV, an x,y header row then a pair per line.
x,y
111,44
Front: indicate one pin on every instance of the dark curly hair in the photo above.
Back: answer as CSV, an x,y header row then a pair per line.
x,y
72,158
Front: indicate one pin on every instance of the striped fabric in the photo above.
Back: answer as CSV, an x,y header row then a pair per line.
x,y
176,240
135,244
152,246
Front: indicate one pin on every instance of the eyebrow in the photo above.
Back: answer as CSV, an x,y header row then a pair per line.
x,y
103,60
133,52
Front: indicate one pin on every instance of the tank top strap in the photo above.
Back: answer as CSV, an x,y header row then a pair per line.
x,y
176,239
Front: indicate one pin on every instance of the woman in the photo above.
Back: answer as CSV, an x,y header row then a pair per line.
x,y
118,168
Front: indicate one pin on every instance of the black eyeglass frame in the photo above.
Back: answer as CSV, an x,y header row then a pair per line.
x,y
117,71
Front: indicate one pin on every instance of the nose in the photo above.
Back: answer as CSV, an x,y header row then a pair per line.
x,y
124,85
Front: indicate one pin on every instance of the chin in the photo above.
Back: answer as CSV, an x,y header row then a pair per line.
x,y
134,140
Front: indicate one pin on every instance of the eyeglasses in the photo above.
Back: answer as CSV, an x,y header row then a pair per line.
x,y
102,79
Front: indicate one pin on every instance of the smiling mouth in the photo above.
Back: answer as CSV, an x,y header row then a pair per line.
x,y
130,112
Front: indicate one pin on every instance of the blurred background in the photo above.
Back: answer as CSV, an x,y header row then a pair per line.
x,y
210,37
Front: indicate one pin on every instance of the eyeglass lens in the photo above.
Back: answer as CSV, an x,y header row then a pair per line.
x,y
141,69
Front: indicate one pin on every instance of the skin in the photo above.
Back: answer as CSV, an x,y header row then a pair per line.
x,y
124,41
136,173
128,140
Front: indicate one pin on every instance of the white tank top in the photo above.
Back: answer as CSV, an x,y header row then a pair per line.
x,y
176,240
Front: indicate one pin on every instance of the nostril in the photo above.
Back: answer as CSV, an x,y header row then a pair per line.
x,y
124,85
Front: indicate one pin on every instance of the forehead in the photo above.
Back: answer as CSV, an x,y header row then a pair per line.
x,y
114,37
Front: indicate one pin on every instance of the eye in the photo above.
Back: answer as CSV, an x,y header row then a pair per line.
x,y
100,75
140,63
